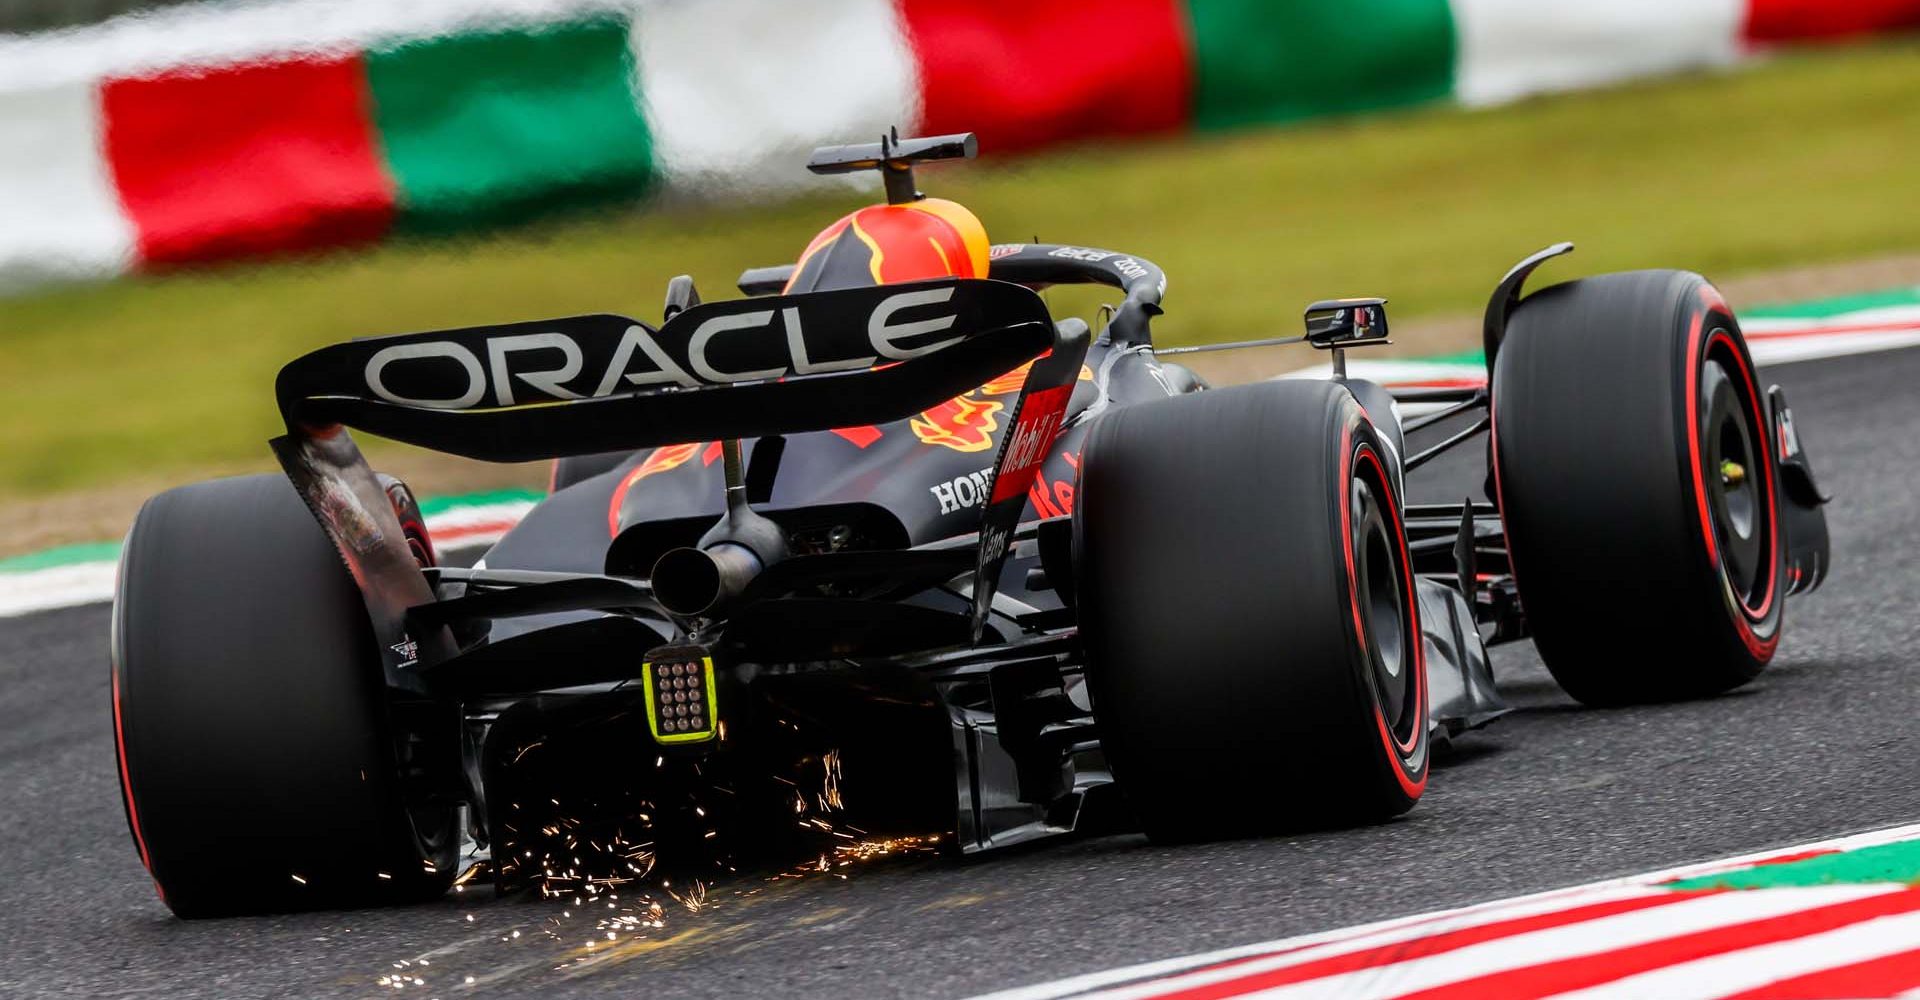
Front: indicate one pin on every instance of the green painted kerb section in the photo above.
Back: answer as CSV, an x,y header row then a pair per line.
x,y
1885,863
1825,308
65,555
1266,61
489,128
431,506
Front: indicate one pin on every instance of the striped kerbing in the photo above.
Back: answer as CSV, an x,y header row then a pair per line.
x,y
319,123
1834,919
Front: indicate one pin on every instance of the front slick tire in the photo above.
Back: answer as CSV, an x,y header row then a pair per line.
x,y
256,750
1635,474
1249,613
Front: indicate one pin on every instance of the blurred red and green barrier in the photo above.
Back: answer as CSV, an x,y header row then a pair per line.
x,y
213,132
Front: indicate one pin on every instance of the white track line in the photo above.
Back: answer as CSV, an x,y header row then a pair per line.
x,y
56,587
1829,345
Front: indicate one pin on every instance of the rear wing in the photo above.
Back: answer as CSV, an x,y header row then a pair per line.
x,y
743,368
721,370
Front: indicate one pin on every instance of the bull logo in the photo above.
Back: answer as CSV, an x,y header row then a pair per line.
x,y
963,423
666,458
1009,382
968,423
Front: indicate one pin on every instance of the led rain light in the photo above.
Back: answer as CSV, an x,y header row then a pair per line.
x,y
680,699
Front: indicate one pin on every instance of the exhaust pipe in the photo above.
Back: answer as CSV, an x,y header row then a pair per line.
x,y
691,582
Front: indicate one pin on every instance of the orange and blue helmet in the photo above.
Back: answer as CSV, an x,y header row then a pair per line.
x,y
888,244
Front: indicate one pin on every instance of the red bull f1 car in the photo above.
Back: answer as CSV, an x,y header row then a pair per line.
x,y
883,546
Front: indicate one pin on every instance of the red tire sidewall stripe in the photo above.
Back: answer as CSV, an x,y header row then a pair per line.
x,y
1346,533
120,742
408,526
126,779
1763,434
1696,361
1410,589
1397,752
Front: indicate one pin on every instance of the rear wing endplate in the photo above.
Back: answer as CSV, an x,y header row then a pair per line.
x,y
1036,420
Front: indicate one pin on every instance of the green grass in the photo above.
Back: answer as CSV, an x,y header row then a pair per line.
x,y
1809,158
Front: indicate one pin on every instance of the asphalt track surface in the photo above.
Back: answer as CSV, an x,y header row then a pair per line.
x,y
1553,795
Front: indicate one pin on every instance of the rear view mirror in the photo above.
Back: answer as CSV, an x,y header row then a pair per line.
x,y
1346,323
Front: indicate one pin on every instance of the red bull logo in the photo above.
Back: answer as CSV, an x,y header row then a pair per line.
x,y
666,457
963,423
968,423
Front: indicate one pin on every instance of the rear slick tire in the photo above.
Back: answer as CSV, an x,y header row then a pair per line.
x,y
257,757
1636,477
1249,613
